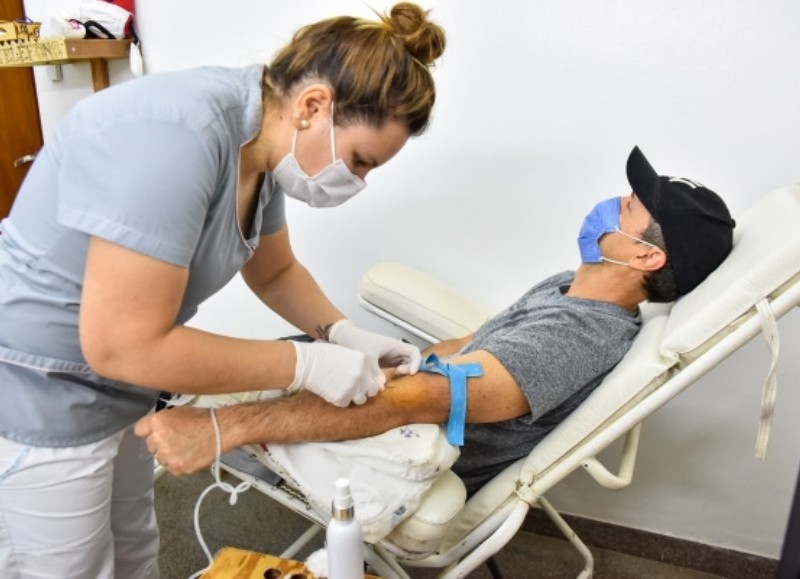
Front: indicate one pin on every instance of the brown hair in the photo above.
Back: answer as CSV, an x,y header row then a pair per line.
x,y
378,70
659,285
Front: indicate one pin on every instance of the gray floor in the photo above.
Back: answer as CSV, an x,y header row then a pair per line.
x,y
257,523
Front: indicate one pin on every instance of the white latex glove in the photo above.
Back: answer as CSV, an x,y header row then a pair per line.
x,y
339,375
388,352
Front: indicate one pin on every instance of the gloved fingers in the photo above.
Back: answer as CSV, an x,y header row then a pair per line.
x,y
377,374
415,362
376,386
406,358
412,365
390,352
337,374
376,380
367,387
345,333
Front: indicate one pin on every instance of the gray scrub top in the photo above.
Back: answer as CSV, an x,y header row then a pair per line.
x,y
151,165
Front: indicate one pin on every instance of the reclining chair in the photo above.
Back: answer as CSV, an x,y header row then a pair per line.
x,y
759,282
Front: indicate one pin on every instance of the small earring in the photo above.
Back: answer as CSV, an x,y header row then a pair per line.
x,y
304,124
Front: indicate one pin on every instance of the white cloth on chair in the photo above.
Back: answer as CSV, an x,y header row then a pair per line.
x,y
389,473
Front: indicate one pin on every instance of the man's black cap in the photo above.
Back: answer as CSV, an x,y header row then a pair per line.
x,y
696,223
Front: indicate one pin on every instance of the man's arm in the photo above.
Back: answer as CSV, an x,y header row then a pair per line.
x,y
183,438
447,348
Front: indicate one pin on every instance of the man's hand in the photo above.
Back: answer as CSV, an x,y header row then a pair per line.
x,y
182,438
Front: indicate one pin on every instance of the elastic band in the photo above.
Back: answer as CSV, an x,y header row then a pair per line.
x,y
457,375
333,141
227,487
769,391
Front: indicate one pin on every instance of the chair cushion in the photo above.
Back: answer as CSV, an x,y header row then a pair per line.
x,y
489,499
422,532
421,301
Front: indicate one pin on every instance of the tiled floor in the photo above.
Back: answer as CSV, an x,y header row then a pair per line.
x,y
258,523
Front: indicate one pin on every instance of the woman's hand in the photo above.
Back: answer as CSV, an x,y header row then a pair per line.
x,y
385,351
337,374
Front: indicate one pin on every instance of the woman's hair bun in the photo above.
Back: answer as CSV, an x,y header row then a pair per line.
x,y
424,40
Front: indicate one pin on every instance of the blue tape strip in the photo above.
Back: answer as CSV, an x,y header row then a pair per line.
x,y
457,375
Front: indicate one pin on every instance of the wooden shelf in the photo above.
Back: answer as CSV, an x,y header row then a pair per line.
x,y
58,50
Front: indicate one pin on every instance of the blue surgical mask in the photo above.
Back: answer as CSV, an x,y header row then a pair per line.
x,y
332,186
602,219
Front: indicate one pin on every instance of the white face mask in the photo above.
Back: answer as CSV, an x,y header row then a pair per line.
x,y
332,186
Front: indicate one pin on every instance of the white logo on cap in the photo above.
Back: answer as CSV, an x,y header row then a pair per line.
x,y
689,182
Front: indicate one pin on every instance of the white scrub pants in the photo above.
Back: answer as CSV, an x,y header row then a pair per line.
x,y
83,512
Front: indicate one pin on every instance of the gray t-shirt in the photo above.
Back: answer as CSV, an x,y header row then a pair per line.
x,y
558,349
151,165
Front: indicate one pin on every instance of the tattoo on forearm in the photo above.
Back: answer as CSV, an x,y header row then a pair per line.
x,y
323,332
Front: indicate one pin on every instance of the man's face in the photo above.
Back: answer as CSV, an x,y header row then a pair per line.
x,y
633,216
633,220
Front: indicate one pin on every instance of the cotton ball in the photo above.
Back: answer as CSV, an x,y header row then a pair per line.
x,y
317,563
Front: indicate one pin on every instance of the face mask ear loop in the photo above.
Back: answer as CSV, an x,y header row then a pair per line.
x,y
294,143
614,261
333,141
629,236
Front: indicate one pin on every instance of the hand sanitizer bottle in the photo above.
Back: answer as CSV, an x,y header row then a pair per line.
x,y
343,539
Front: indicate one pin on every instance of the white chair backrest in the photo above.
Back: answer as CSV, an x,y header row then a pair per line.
x,y
765,255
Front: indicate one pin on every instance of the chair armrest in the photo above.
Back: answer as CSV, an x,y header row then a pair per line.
x,y
419,303
619,481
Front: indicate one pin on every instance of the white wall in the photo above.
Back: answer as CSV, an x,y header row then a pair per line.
x,y
539,105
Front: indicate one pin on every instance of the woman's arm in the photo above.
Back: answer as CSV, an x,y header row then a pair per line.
x,y
286,287
127,331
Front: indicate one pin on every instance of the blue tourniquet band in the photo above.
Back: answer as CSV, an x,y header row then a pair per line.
x,y
457,374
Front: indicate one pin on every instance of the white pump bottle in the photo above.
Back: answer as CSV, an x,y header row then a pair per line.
x,y
343,538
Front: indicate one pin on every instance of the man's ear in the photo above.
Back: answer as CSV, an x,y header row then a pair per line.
x,y
312,102
649,259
